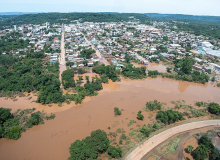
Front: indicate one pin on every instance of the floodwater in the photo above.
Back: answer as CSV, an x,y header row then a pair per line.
x,y
52,139
153,66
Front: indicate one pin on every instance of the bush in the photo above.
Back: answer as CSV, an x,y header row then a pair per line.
x,y
145,131
153,74
117,111
156,125
118,130
214,108
153,105
169,116
189,148
36,118
199,104
114,152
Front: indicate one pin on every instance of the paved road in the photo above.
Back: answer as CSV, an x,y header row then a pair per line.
x,y
151,143
102,59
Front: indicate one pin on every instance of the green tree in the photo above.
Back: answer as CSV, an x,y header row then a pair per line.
x,y
165,38
187,65
114,152
89,147
214,108
201,152
5,114
169,116
117,111
140,116
36,118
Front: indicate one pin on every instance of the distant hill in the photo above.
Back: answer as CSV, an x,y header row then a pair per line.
x,y
16,13
39,18
182,17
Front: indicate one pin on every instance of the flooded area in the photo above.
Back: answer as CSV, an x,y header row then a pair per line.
x,y
152,66
52,139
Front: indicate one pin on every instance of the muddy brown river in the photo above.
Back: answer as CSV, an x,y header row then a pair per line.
x,y
52,139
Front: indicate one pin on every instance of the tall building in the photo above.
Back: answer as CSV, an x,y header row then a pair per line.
x,y
15,27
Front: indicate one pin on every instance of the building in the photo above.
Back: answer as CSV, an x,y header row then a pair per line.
x,y
174,45
213,53
206,44
166,55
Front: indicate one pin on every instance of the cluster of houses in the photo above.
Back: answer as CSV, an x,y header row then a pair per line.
x,y
141,42
38,37
75,42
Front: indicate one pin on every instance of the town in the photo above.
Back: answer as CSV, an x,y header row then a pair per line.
x,y
115,43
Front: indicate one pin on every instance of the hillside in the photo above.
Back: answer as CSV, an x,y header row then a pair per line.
x,y
183,17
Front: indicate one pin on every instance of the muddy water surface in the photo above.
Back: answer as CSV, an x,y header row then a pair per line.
x,y
52,140
152,66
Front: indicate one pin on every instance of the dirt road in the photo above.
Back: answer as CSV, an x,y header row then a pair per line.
x,y
62,47
61,58
151,143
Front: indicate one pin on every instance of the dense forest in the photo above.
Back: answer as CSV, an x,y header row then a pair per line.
x,y
30,73
182,17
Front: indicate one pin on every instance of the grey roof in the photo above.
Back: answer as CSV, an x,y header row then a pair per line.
x,y
213,52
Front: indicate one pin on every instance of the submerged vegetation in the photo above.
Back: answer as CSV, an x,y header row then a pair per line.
x,y
153,105
13,124
117,111
108,71
134,72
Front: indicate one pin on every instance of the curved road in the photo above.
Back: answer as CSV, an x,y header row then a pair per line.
x,y
154,141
